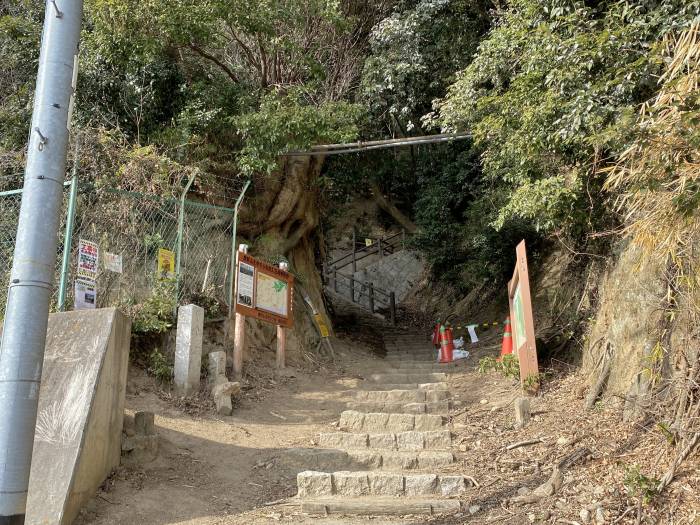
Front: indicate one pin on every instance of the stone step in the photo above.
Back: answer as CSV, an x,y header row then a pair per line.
x,y
417,358
437,407
410,440
378,483
400,386
415,395
399,460
408,378
375,506
353,421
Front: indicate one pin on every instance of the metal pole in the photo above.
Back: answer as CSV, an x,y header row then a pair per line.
x,y
33,265
233,247
370,285
392,307
68,237
180,235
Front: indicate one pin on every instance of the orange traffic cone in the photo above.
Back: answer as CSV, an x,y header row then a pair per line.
x,y
507,345
446,345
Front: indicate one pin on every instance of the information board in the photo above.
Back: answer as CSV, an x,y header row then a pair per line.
x,y
264,291
522,321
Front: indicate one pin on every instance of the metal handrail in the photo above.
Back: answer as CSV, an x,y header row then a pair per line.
x,y
371,294
368,250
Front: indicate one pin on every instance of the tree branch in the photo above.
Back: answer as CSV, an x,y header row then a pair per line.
x,y
391,209
229,72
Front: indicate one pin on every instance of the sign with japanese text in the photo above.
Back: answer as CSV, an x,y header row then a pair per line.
x,y
166,263
264,291
88,256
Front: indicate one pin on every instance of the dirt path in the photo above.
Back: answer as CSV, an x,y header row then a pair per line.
x,y
223,470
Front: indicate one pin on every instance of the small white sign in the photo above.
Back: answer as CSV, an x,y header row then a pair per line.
x,y
85,295
113,262
245,284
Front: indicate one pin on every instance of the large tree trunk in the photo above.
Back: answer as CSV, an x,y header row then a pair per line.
x,y
281,218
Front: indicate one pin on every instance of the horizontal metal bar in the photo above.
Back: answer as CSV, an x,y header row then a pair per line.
x,y
19,191
368,146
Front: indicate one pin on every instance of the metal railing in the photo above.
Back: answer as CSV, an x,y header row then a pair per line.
x,y
382,246
377,298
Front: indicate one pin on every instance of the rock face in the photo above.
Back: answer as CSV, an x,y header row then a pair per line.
x,y
397,272
81,411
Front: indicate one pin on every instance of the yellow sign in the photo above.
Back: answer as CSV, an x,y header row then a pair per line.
x,y
322,326
166,262
369,242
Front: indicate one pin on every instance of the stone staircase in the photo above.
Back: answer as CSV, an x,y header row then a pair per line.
x,y
396,432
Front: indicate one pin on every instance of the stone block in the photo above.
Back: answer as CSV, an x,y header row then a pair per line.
x,y
222,397
414,408
217,366
343,440
428,422
382,441
437,439
410,440
375,421
311,484
188,348
452,485
437,395
144,424
522,412
406,396
350,483
366,459
80,413
386,484
351,421
432,459
420,484
400,461
400,422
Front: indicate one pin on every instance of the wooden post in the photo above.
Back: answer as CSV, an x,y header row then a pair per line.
x,y
392,307
281,334
370,285
239,329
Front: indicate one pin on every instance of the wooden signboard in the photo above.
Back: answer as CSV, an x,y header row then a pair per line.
x,y
522,321
264,291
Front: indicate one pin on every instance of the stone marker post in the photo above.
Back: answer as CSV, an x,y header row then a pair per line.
x,y
239,330
188,348
281,334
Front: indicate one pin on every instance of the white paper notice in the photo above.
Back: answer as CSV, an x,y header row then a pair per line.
x,y
472,333
113,262
245,284
85,295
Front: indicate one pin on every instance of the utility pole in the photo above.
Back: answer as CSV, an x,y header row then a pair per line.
x,y
33,266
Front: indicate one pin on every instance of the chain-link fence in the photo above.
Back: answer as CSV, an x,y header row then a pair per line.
x,y
135,226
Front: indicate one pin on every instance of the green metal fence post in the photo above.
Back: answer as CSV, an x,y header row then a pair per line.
x,y
180,234
68,237
234,248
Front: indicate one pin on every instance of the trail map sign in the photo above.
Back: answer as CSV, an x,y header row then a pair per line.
x,y
264,291
522,320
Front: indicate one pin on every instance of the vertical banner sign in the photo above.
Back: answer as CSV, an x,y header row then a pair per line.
x,y
322,326
88,257
523,321
166,263
85,295
264,291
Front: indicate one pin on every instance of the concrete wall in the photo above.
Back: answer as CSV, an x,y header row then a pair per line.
x,y
81,410
397,272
